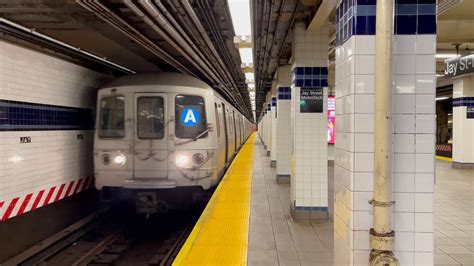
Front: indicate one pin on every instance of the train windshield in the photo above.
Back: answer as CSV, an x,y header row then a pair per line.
x,y
151,117
111,122
190,115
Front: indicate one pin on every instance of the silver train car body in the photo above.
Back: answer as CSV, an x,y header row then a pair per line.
x,y
161,137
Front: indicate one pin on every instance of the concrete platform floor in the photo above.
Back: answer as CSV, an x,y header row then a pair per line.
x,y
275,239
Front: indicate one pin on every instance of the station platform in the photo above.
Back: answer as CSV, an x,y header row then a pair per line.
x,y
248,222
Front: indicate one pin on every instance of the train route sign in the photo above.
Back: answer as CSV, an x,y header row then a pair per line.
x,y
311,100
190,117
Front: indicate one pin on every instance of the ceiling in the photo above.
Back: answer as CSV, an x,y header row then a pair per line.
x,y
272,23
193,36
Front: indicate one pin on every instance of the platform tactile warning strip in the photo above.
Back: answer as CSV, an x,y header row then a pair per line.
x,y
220,236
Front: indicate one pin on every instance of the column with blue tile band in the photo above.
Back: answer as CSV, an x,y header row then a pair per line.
x,y
308,171
414,79
274,148
463,122
283,120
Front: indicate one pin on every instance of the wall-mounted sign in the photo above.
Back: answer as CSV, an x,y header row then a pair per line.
x,y
470,112
25,139
459,66
311,100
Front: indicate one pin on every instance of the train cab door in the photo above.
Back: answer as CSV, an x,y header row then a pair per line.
x,y
150,138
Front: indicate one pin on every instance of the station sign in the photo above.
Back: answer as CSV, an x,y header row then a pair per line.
x,y
470,112
311,100
459,66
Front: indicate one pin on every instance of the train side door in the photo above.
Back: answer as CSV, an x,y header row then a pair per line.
x,y
150,140
221,137
226,132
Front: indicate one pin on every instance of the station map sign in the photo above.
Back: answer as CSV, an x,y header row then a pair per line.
x,y
459,66
311,100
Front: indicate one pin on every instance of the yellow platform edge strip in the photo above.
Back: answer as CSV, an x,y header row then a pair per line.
x,y
220,236
442,158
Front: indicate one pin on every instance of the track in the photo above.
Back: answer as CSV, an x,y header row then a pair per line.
x,y
114,237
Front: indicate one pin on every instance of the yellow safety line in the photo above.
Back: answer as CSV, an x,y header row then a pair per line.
x,y
220,236
447,159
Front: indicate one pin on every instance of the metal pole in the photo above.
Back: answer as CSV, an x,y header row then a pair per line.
x,y
381,235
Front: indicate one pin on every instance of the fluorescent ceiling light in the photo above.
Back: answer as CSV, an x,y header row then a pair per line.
x,y
240,13
446,56
442,98
246,55
249,76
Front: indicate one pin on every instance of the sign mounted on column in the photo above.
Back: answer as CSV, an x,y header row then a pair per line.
x,y
311,100
470,112
459,66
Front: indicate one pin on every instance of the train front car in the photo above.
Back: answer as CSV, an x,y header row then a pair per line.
x,y
155,142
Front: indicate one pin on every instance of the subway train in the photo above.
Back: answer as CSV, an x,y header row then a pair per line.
x,y
163,140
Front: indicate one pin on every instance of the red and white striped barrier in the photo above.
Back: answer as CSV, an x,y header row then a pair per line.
x,y
20,205
444,147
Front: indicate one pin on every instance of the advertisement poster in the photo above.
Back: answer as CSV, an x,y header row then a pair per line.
x,y
331,119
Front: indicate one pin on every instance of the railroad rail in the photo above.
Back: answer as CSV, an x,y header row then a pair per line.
x,y
110,237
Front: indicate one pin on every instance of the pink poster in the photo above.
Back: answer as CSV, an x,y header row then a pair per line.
x,y
331,119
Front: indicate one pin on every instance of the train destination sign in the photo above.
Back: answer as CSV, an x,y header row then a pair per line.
x,y
459,66
190,117
311,100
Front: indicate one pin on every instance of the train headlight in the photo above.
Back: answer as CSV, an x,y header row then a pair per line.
x,y
120,159
181,160
198,158
106,159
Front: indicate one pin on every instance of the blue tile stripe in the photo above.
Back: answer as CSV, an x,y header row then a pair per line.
x,y
310,77
311,208
24,116
274,101
463,101
284,93
357,17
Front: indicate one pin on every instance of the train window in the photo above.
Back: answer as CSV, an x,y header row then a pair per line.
x,y
218,126
150,118
111,121
190,115
231,126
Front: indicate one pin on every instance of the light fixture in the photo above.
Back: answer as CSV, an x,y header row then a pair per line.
x,y
181,160
119,159
446,56
442,98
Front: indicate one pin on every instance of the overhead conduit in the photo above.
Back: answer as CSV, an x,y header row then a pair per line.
x,y
157,17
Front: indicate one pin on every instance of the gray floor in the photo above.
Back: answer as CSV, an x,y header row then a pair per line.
x,y
454,215
275,239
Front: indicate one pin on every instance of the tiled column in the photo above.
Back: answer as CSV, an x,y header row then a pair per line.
x,y
413,131
309,180
463,127
268,128
273,154
283,120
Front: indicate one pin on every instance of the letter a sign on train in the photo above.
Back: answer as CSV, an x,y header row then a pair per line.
x,y
189,117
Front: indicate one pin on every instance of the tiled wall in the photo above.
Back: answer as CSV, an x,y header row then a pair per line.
x,y
45,128
309,181
413,146
463,128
